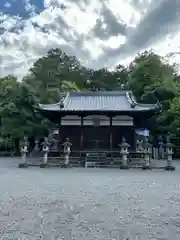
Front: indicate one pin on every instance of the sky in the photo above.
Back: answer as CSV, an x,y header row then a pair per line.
x,y
100,33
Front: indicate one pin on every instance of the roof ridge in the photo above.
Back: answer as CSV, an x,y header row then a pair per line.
x,y
131,99
98,93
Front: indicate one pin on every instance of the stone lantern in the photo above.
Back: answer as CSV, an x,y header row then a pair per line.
x,y
66,152
45,150
124,153
169,154
24,150
147,155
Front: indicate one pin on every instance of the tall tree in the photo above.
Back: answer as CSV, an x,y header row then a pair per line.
x,y
147,72
53,73
149,76
17,110
152,79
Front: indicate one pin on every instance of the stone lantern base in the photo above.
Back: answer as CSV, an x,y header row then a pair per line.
x,y
44,165
122,166
23,165
146,168
66,165
170,168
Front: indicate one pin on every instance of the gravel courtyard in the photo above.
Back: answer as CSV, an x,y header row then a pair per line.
x,y
88,204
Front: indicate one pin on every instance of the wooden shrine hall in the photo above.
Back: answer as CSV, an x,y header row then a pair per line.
x,y
98,119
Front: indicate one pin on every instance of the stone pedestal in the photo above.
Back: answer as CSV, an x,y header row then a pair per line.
x,y
24,150
169,152
124,153
147,155
24,163
45,150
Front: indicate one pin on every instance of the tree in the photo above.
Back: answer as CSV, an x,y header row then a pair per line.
x,y
107,80
121,75
52,74
149,76
147,72
152,80
17,110
43,84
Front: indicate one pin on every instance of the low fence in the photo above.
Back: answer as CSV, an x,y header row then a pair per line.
x,y
8,147
102,159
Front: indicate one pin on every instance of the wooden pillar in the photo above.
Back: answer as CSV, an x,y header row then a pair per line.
x,y
134,133
133,137
82,134
60,130
110,134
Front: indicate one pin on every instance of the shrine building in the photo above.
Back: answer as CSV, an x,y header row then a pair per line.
x,y
98,119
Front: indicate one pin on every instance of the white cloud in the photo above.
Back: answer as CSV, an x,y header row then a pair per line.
x,y
7,5
125,12
91,30
30,7
7,23
49,3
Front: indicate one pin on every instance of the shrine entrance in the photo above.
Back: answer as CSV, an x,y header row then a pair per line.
x,y
96,137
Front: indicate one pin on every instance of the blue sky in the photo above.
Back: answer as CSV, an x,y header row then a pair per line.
x,y
100,33
18,7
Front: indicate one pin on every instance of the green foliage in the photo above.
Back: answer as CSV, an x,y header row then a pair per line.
x,y
152,80
52,74
17,110
149,76
147,72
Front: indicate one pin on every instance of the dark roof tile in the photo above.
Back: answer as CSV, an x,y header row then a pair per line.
x,y
98,101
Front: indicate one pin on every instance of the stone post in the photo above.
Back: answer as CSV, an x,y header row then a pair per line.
x,y
66,152
54,144
36,147
161,147
139,146
169,153
147,155
45,150
124,153
86,163
24,150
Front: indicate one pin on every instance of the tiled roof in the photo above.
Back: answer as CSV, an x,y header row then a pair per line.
x,y
98,101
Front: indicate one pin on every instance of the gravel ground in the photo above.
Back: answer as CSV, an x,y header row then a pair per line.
x,y
88,204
